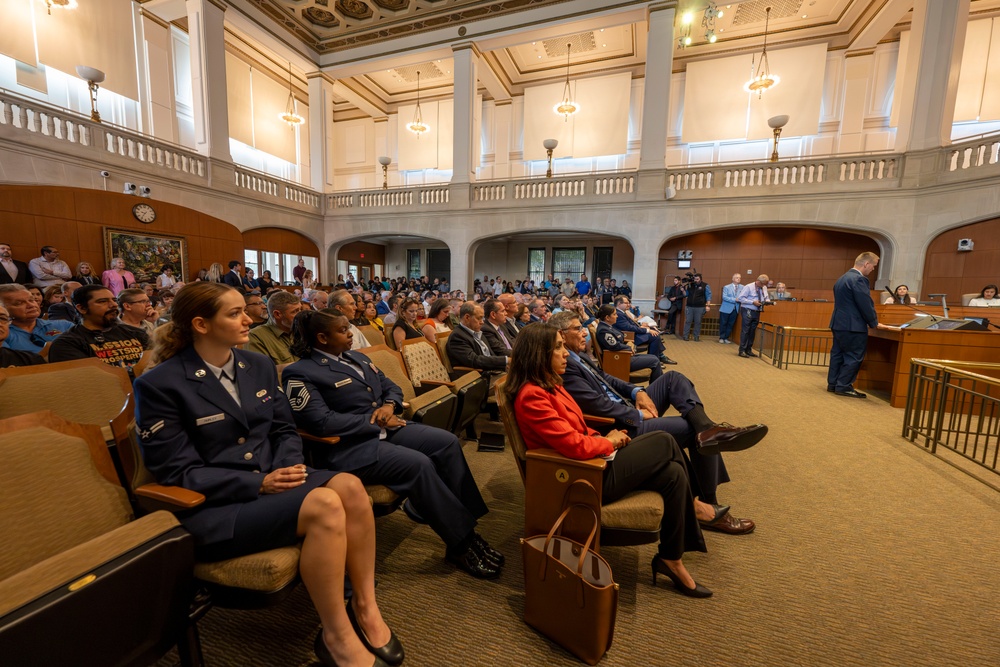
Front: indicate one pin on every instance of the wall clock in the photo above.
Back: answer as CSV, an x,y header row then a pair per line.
x,y
144,213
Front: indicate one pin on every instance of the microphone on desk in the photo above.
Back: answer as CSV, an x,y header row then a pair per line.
x,y
913,308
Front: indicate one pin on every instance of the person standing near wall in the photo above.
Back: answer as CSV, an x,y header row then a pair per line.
x,y
698,294
729,309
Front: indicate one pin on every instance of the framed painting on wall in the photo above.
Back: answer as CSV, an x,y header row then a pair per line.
x,y
145,255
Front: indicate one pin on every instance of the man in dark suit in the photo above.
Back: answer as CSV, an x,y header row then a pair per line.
x,y
12,270
466,346
853,315
347,396
233,278
494,332
643,335
609,338
510,323
637,411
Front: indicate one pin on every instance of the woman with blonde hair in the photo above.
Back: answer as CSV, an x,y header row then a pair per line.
x,y
117,278
211,419
85,274
215,273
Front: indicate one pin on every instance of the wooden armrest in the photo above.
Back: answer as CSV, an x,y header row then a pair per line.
x,y
553,456
598,420
436,383
329,440
170,497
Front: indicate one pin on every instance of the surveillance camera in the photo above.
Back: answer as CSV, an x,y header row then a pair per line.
x,y
105,174
129,189
144,191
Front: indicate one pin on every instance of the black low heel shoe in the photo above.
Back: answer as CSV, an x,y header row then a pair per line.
x,y
391,653
660,567
325,659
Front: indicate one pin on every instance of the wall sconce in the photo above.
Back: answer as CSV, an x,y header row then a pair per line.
x,y
550,145
385,161
92,76
59,4
776,123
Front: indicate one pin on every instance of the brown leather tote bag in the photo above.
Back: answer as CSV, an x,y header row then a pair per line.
x,y
569,594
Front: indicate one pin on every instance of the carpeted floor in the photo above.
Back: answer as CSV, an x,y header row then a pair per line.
x,y
868,551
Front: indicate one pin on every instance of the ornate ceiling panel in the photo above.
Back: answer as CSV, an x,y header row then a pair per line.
x,y
332,25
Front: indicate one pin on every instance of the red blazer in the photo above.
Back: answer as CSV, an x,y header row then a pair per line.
x,y
553,419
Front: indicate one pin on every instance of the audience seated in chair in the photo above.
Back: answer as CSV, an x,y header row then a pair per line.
x,y
548,417
466,346
643,335
343,301
638,411
334,390
211,420
609,338
495,330
101,334
28,331
274,339
9,357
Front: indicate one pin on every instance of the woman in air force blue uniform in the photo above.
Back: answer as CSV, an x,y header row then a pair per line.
x,y
212,419
336,391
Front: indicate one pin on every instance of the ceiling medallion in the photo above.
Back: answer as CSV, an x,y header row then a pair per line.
x,y
320,17
355,9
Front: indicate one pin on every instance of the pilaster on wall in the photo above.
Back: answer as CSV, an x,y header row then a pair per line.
x,y
934,59
208,78
656,96
466,60
321,131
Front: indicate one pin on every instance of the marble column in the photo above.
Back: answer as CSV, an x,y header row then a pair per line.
x,y
465,64
320,131
656,93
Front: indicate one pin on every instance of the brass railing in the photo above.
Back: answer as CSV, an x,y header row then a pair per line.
x,y
955,406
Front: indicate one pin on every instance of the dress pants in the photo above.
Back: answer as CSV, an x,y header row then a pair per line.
x,y
692,319
654,462
643,361
655,344
726,322
672,318
846,355
428,466
750,320
706,472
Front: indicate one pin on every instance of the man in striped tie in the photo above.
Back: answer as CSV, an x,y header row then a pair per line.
x,y
494,332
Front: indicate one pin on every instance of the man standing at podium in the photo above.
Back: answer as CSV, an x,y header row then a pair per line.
x,y
853,315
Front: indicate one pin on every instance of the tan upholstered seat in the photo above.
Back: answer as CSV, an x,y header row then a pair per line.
x,y
634,519
86,391
66,519
966,298
266,572
425,366
372,335
434,407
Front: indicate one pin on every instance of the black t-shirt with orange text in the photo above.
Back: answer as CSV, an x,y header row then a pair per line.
x,y
120,345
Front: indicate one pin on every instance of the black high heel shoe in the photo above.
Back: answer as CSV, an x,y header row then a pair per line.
x,y
660,567
325,657
390,654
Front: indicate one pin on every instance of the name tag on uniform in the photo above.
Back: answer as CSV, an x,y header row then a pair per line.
x,y
210,420
343,382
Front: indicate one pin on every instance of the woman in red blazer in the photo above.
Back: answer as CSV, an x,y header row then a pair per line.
x,y
549,417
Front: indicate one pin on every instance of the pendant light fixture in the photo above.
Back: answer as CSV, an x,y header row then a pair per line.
x,y
417,126
59,4
290,116
761,78
567,107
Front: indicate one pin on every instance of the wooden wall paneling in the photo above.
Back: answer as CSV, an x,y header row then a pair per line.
x,y
954,273
373,253
285,241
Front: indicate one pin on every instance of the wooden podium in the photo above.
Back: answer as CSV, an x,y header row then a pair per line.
x,y
886,367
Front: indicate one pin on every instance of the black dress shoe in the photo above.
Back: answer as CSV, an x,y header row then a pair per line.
x,y
325,657
744,354
664,359
853,393
660,567
830,388
390,654
471,562
728,438
750,353
484,549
